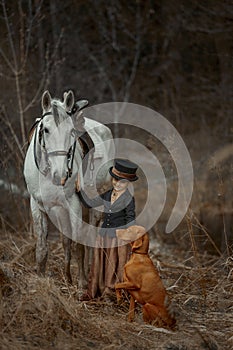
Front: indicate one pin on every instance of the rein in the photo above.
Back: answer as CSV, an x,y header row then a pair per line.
x,y
45,172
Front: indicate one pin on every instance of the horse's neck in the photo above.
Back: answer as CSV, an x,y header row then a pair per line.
x,y
38,155
35,158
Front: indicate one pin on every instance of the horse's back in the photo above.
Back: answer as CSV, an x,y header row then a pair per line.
x,y
103,155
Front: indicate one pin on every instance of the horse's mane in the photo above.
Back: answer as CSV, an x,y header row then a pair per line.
x,y
58,111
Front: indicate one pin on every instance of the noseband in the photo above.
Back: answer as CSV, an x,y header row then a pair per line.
x,y
57,153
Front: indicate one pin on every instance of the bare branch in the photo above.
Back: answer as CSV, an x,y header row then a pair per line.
x,y
103,73
5,120
9,32
46,74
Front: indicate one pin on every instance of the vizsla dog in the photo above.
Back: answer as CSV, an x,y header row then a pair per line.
x,y
142,280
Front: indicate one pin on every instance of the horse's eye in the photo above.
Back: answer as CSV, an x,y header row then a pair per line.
x,y
46,130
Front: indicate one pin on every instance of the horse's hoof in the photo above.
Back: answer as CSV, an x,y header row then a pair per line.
x,y
40,272
69,280
83,295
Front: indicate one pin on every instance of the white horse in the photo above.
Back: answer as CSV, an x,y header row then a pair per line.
x,y
53,161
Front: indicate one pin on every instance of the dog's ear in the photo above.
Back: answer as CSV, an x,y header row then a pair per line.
x,y
139,231
137,244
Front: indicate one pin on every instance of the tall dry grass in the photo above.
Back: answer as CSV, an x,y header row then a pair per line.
x,y
45,313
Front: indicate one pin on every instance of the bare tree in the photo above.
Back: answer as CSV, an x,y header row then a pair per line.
x,y
17,61
22,78
119,50
117,32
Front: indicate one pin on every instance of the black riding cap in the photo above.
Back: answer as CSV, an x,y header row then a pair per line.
x,y
124,170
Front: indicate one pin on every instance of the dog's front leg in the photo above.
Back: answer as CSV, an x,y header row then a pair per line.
x,y
118,295
127,285
124,285
131,309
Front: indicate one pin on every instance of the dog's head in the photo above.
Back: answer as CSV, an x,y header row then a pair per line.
x,y
132,233
136,235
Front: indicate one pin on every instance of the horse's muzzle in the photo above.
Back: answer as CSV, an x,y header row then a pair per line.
x,y
58,180
63,181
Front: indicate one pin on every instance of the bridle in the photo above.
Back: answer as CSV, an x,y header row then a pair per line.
x,y
39,135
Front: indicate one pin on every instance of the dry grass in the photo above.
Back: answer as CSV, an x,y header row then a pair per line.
x,y
45,313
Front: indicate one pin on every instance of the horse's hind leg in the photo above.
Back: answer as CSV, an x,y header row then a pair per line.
x,y
67,251
41,228
82,280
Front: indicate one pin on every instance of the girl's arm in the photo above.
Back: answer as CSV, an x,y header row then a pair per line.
x,y
90,202
86,201
130,213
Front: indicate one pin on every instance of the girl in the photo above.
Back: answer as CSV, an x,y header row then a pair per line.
x,y
119,212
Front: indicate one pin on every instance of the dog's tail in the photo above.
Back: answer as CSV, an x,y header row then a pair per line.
x,y
158,316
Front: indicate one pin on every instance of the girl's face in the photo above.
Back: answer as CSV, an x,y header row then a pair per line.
x,y
119,185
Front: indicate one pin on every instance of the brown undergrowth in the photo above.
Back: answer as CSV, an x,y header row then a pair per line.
x,y
44,313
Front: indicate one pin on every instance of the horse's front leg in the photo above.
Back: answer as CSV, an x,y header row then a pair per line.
x,y
61,219
82,280
67,251
41,228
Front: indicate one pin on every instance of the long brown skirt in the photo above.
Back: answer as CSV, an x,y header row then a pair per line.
x,y
107,266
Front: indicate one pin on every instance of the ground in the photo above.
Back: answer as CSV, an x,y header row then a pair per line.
x,y
45,313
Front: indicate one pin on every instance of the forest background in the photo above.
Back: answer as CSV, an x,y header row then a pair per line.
x,y
175,57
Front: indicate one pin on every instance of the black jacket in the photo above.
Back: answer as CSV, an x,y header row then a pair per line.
x,y
119,214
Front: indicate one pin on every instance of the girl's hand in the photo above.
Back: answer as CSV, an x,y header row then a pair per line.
x,y
77,184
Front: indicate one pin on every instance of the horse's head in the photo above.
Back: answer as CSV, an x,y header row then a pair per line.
x,y
58,135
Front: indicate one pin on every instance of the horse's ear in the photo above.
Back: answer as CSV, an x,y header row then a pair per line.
x,y
64,95
46,101
69,100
